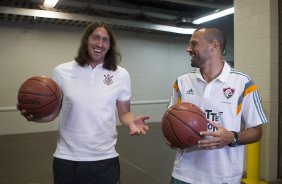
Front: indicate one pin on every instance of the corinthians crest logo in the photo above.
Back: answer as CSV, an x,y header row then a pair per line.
x,y
228,92
108,79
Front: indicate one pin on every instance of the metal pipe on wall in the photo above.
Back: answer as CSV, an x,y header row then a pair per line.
x,y
144,102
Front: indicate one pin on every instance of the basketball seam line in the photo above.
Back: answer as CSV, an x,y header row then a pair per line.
x,y
186,124
174,133
54,92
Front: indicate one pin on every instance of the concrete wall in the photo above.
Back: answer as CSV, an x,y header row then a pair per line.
x,y
153,61
256,53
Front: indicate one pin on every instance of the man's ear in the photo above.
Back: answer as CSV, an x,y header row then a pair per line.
x,y
215,45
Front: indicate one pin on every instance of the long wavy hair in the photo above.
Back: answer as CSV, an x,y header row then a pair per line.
x,y
113,56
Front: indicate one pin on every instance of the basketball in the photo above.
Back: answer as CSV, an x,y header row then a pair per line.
x,y
39,96
182,124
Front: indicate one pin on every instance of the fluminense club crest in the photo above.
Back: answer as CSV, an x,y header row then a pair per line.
x,y
228,92
108,79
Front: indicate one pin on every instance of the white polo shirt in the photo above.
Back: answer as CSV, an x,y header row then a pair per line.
x,y
87,130
229,99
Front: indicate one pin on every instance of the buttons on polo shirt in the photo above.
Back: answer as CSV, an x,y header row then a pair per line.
x,y
207,90
92,76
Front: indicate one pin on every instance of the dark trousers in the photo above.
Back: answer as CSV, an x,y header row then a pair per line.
x,y
84,172
176,181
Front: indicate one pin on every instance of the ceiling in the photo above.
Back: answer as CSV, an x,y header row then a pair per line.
x,y
163,16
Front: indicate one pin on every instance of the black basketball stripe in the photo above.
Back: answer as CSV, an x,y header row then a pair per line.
x,y
179,142
173,115
46,84
187,110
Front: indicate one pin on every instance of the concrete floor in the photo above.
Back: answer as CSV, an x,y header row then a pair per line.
x,y
145,159
27,158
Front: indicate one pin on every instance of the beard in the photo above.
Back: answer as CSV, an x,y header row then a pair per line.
x,y
197,61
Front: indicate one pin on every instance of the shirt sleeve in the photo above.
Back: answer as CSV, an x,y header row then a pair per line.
x,y
56,76
252,110
125,93
176,95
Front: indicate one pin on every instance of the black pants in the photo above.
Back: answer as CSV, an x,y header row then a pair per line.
x,y
176,181
84,172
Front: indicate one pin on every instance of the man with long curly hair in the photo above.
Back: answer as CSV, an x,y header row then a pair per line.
x,y
94,86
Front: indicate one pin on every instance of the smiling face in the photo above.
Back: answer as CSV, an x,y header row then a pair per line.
x,y
199,49
98,45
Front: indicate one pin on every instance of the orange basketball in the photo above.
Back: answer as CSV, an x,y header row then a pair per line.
x,y
39,96
182,124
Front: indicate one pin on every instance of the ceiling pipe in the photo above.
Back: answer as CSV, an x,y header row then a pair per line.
x,y
154,12
86,18
196,3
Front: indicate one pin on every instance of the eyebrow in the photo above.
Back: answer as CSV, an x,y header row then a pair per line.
x,y
193,41
100,36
